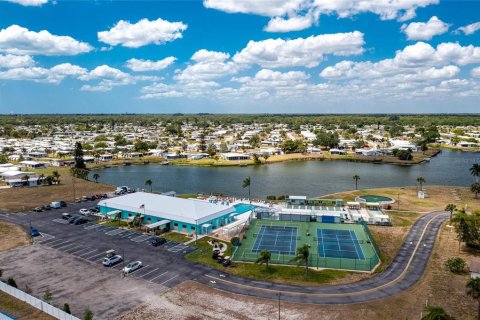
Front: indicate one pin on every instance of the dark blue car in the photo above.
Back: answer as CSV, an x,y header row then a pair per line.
x,y
34,232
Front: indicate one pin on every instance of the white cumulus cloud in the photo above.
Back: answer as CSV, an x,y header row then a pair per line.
x,y
208,65
307,52
38,74
21,41
425,30
13,61
142,33
293,15
148,65
476,72
469,29
27,3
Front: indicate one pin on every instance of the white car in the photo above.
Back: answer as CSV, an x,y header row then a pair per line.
x,y
110,261
85,212
132,266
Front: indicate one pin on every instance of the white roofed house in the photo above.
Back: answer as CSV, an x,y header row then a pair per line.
x,y
231,156
182,215
33,164
19,178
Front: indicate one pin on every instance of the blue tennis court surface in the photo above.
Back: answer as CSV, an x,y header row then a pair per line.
x,y
338,244
276,240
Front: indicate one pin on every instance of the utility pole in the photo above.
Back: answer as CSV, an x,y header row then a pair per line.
x,y
279,294
196,230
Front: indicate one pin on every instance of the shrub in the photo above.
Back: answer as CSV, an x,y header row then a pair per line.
x,y
455,265
11,282
87,314
271,198
281,197
235,241
66,308
47,296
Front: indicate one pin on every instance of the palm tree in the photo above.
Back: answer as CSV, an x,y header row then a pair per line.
x,y
149,183
265,256
266,156
41,177
475,187
356,178
475,171
302,256
26,178
56,176
95,177
473,290
246,183
436,313
421,181
451,208
118,216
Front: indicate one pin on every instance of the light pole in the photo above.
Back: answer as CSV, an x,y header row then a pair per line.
x,y
279,294
196,230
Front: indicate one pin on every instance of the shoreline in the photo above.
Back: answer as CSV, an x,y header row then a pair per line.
x,y
418,158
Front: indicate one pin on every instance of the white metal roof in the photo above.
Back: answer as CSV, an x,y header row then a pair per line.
x,y
297,197
157,224
184,210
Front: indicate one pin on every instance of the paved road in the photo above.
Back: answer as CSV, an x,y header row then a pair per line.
x,y
166,265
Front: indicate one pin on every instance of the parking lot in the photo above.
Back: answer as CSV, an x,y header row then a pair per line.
x,y
163,265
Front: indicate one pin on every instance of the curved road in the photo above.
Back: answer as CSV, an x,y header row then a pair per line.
x,y
406,269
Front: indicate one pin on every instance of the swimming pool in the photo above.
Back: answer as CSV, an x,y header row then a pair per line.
x,y
243,207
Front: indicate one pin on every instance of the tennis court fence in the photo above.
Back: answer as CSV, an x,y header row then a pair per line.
x,y
314,261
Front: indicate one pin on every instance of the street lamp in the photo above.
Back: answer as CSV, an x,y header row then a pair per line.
x,y
196,230
279,294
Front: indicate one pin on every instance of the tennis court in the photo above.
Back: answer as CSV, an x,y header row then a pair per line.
x,y
276,239
331,245
334,243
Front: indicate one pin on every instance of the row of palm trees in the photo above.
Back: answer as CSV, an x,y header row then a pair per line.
x,y
301,258
420,181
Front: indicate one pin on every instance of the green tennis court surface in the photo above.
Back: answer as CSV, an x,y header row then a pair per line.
x,y
334,246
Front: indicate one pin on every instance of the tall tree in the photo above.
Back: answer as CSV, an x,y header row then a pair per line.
x,y
95,177
475,188
56,176
451,208
356,178
264,257
421,181
149,183
302,256
78,156
473,290
246,184
475,171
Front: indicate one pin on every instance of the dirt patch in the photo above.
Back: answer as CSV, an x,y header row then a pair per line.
x,y
12,236
21,310
27,198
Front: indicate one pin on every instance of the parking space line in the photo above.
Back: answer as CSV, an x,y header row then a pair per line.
x,y
143,275
95,255
140,238
75,247
151,280
114,232
47,243
169,279
136,270
77,251
87,253
61,243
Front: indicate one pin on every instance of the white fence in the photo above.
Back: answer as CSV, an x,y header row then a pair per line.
x,y
37,303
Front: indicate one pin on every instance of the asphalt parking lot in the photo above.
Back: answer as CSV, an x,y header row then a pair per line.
x,y
163,265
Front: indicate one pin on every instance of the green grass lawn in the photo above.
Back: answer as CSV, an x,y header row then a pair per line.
x,y
115,223
175,236
274,273
187,196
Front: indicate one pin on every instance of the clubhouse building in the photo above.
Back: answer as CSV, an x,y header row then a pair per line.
x,y
183,215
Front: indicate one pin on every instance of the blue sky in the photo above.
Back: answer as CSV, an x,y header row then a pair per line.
x,y
239,56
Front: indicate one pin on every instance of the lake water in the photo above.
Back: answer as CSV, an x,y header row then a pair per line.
x,y
311,178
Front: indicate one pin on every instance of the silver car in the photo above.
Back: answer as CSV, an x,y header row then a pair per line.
x,y
110,261
132,266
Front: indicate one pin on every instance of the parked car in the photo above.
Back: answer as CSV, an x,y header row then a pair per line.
x,y
155,242
94,210
34,232
85,212
63,203
80,220
110,261
66,215
72,219
227,261
84,198
55,205
132,266
47,207
37,209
